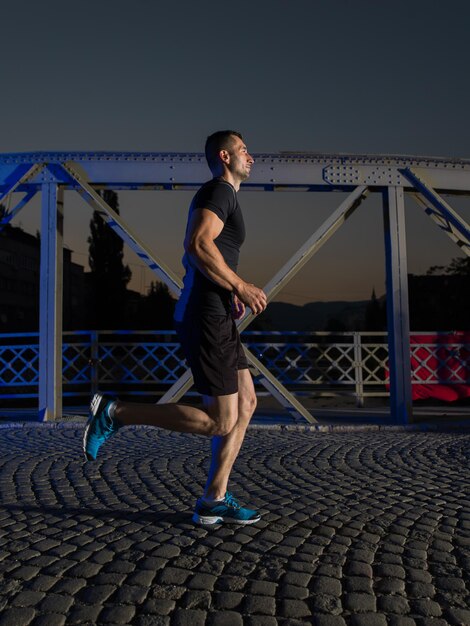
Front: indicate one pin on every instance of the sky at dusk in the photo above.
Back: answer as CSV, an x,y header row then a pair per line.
x,y
362,76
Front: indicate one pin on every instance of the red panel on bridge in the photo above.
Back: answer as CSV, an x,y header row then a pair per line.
x,y
442,362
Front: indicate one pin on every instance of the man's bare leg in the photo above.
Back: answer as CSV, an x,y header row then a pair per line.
x,y
180,417
225,448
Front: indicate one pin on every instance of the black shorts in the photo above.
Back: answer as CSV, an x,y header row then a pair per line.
x,y
212,347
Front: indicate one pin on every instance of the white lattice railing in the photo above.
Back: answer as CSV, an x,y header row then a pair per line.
x,y
138,362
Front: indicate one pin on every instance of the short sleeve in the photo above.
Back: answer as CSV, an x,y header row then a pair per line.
x,y
218,198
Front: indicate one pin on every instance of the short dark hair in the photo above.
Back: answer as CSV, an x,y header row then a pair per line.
x,y
220,140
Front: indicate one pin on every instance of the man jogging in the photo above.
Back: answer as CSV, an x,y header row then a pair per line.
x,y
213,296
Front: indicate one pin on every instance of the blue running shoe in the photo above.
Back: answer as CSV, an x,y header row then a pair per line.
x,y
228,511
100,426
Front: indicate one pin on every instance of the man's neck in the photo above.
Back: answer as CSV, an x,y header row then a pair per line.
x,y
230,179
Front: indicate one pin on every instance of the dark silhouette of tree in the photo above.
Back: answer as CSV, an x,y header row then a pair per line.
x,y
109,275
459,266
334,325
375,318
157,308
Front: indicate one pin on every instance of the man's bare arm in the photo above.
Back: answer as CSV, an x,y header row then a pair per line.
x,y
204,227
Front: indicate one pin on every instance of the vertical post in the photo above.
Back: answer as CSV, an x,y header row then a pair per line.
x,y
50,301
358,374
398,324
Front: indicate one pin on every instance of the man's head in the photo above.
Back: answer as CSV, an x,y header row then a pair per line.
x,y
226,150
220,140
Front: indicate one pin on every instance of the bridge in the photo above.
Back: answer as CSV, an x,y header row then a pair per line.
x,y
427,180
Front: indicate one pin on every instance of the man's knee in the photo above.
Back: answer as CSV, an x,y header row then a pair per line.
x,y
224,425
223,416
247,406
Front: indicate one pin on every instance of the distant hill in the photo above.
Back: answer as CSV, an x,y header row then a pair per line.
x,y
312,316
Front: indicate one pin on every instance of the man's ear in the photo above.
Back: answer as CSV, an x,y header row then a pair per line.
x,y
224,156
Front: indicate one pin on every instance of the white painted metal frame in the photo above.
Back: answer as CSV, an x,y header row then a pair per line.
x,y
397,305
51,172
50,315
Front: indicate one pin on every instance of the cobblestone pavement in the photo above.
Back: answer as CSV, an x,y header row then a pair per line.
x,y
361,528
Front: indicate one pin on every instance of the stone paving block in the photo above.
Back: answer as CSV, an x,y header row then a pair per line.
x,y
184,617
50,619
227,600
225,618
152,563
261,620
323,603
202,581
263,588
96,594
357,584
325,584
459,617
117,614
173,576
17,616
368,619
158,606
450,583
259,605
55,603
141,578
390,585
388,570
170,592
421,590
293,592
425,608
69,586
357,568
295,608
328,620
131,594
397,605
152,620
80,614
27,598
196,599
400,620
359,602
26,572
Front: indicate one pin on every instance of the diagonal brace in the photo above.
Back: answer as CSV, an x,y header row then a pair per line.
x,y
439,210
122,229
11,214
310,247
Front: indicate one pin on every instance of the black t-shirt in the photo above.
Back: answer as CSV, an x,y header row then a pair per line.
x,y
200,294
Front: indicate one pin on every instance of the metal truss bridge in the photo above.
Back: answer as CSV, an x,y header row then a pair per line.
x,y
426,179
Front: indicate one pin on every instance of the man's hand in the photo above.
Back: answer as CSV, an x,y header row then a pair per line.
x,y
238,308
252,296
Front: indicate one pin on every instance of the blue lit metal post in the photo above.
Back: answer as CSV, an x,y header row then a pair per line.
x,y
397,306
50,317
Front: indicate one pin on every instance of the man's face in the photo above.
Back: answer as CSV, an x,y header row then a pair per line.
x,y
240,161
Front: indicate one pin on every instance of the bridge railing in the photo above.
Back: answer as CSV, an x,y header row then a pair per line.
x,y
133,363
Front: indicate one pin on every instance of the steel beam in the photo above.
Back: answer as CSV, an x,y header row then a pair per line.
x,y
20,177
293,171
397,306
16,209
310,247
50,311
439,210
122,229
277,389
